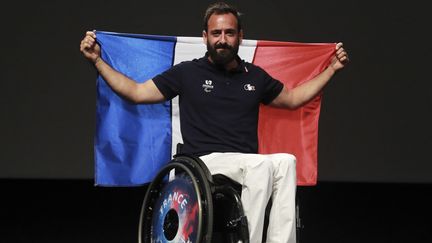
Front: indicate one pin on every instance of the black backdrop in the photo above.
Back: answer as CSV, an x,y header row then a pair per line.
x,y
375,118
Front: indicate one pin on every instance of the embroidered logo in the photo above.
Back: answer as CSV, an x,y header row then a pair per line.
x,y
249,87
207,86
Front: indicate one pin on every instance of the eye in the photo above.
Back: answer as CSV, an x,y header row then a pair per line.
x,y
215,33
231,32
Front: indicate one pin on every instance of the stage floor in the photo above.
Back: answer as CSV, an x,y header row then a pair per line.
x,y
76,211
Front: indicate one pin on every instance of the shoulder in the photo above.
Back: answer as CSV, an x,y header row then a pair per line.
x,y
254,69
184,64
189,63
179,71
180,68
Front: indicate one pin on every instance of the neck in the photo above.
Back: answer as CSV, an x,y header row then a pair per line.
x,y
228,66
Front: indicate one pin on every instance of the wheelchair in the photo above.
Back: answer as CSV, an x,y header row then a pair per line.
x,y
185,203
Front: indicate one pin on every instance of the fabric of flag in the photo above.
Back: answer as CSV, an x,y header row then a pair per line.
x,y
133,142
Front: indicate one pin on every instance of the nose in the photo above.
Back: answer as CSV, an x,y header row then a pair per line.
x,y
222,38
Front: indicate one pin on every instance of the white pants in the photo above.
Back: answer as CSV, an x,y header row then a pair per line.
x,y
262,177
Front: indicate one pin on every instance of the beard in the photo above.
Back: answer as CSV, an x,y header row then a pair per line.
x,y
222,54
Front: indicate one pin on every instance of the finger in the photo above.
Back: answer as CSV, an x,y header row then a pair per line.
x,y
341,54
89,37
92,33
85,45
89,40
340,50
339,45
344,59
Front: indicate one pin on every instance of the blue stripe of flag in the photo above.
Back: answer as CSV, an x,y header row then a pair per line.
x,y
125,130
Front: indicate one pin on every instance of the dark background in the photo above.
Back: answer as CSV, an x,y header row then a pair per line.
x,y
374,177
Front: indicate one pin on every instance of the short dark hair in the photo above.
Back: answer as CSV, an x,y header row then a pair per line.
x,y
221,8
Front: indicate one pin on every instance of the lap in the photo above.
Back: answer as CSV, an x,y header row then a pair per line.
x,y
238,166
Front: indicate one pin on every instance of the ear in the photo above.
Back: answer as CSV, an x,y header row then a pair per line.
x,y
240,36
204,35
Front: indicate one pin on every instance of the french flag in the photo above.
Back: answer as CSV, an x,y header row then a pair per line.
x,y
133,142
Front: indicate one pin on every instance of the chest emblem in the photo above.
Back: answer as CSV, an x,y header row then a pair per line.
x,y
249,87
208,86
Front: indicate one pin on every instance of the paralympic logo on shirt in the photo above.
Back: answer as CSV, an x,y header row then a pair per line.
x,y
207,86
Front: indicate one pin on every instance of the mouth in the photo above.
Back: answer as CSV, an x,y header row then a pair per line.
x,y
222,47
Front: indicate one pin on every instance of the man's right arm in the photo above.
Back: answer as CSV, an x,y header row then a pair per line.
x,y
146,92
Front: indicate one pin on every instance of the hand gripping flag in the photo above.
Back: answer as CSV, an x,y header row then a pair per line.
x,y
132,142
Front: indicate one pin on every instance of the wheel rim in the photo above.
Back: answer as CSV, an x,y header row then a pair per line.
x,y
159,208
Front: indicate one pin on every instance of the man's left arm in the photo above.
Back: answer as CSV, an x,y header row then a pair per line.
x,y
294,98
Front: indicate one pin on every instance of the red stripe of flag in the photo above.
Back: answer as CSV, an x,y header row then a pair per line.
x,y
293,131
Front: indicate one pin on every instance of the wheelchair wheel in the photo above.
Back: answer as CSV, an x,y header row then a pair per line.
x,y
230,223
178,205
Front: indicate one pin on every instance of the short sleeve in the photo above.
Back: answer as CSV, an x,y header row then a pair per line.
x,y
169,82
272,88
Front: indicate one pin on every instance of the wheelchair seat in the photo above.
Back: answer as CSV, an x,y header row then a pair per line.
x,y
185,203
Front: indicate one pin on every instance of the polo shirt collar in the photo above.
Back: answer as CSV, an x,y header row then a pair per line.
x,y
241,67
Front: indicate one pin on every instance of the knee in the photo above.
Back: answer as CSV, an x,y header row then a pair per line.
x,y
288,159
291,158
284,164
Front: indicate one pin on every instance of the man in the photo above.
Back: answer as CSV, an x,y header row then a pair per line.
x,y
219,117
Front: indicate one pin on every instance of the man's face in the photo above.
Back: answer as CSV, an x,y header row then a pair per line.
x,y
222,38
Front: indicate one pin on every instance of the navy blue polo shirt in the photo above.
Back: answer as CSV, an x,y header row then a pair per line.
x,y
218,108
